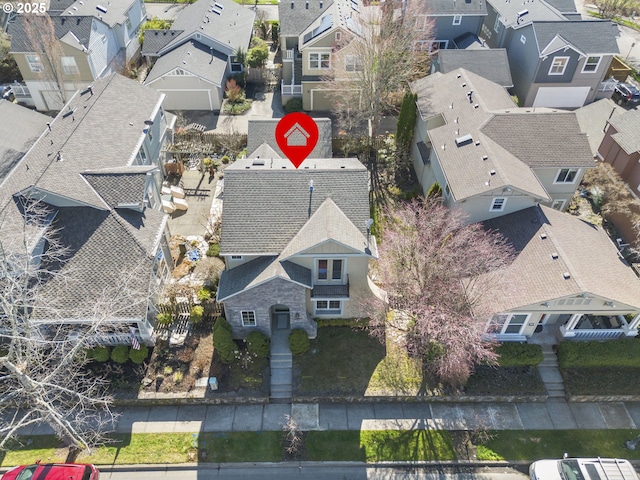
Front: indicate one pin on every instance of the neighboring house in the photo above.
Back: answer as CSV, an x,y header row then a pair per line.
x,y
490,157
451,21
556,59
567,278
95,40
620,147
195,58
593,119
261,139
95,166
296,243
20,127
310,32
492,64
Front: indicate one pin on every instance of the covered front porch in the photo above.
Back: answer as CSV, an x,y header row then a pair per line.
x,y
554,328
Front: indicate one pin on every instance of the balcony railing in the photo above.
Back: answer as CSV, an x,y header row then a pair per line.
x,y
291,89
331,290
288,55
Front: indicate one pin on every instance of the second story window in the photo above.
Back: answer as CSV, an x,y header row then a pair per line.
x,y
567,175
457,19
591,64
320,60
330,270
559,65
496,26
352,63
34,63
421,22
69,66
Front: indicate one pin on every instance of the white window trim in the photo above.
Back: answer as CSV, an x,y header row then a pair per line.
x,y
421,22
553,64
35,63
562,203
319,60
327,312
493,203
496,25
557,182
523,39
507,322
457,20
251,312
71,69
353,63
599,57
330,279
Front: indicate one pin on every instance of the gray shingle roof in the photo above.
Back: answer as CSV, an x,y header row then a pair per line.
x,y
584,251
588,36
193,57
263,131
542,139
156,40
79,26
492,64
628,127
593,119
232,28
294,21
20,127
563,6
539,10
266,206
462,7
258,271
87,138
101,246
119,187
115,10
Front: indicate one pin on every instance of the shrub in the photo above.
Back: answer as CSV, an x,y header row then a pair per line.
x,y
213,250
223,341
342,322
225,159
196,313
612,353
120,354
139,356
293,105
99,354
513,354
204,293
234,92
164,318
435,191
257,56
299,341
258,344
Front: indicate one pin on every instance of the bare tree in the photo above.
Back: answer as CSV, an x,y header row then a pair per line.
x,y
372,67
41,35
43,342
617,8
435,269
609,193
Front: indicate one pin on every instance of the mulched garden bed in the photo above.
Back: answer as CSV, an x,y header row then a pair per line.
x,y
505,381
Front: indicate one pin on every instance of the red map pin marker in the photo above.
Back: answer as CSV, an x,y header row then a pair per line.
x,y
297,135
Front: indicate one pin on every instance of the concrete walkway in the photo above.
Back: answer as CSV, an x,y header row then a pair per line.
x,y
376,416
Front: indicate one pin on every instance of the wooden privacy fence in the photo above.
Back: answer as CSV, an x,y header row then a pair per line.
x,y
212,309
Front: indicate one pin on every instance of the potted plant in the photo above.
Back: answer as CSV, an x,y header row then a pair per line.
x,y
209,165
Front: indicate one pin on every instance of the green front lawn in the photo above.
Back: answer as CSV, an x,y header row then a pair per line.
x,y
340,361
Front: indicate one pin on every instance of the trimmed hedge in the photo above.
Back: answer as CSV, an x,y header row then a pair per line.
x,y
223,341
213,250
258,344
299,342
342,322
513,354
120,354
611,353
99,354
139,356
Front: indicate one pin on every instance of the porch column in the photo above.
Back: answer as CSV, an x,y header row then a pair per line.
x,y
567,330
632,327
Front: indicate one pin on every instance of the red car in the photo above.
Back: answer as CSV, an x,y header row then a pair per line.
x,y
53,471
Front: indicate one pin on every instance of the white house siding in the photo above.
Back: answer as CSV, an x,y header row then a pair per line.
x,y
478,208
104,47
46,98
136,16
233,263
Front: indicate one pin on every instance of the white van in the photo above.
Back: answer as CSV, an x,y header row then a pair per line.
x,y
583,469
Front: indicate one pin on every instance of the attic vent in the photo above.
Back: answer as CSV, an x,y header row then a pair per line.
x,y
477,143
216,11
543,236
484,157
476,106
292,5
492,172
258,162
458,76
460,141
217,5
554,255
101,8
464,85
566,275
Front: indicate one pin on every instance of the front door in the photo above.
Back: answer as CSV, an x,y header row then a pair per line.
x,y
281,318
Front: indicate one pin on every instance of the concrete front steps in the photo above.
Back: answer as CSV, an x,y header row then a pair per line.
x,y
550,375
281,376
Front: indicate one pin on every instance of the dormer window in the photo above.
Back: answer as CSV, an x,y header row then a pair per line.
x,y
559,65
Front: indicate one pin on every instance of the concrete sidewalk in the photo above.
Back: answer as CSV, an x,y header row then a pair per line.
x,y
376,416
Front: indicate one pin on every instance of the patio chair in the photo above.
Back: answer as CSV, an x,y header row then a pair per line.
x,y
168,206
180,203
177,192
